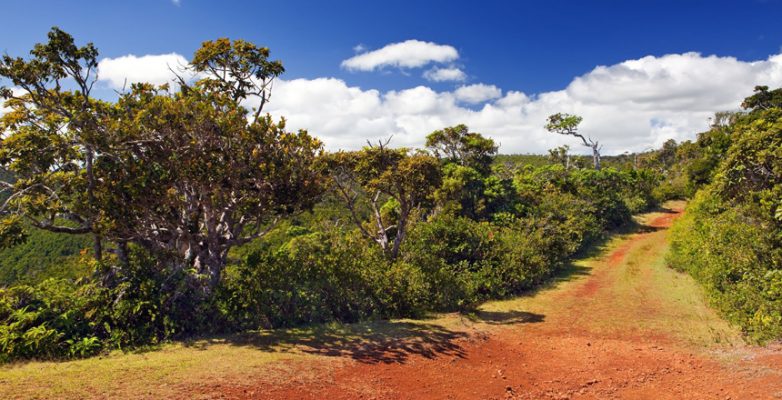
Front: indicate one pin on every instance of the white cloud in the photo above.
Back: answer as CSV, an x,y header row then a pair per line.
x,y
477,93
15,91
629,106
3,108
445,74
177,2
122,71
407,54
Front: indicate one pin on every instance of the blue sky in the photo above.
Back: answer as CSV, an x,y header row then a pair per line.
x,y
530,47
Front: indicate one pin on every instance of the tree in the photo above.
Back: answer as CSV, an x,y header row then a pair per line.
x,y
201,172
456,144
186,174
197,179
52,138
383,178
567,124
559,155
467,158
763,99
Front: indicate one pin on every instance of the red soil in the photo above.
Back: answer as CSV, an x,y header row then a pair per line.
x,y
553,359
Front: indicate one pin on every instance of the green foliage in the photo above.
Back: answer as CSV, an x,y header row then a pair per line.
x,y
464,191
44,255
12,232
46,321
142,304
731,237
736,260
191,172
763,99
457,145
315,277
563,124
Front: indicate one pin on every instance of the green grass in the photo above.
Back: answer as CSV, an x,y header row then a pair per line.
x,y
636,296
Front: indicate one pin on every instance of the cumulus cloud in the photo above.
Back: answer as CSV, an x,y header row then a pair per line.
x,y
478,93
122,71
628,106
444,74
407,54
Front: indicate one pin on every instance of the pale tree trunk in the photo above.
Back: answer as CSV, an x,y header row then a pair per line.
x,y
401,230
382,234
596,157
211,263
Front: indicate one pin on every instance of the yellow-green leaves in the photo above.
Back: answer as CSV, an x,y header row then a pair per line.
x,y
12,231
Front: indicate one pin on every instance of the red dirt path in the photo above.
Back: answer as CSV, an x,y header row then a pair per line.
x,y
556,358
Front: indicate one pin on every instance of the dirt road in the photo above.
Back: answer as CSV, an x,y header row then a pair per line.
x,y
620,325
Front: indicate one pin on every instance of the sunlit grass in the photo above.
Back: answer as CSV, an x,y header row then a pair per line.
x,y
635,294
135,375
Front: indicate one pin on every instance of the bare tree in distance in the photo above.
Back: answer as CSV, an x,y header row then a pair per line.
x,y
567,124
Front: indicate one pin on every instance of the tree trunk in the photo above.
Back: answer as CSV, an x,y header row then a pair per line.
x,y
211,263
97,247
596,157
401,231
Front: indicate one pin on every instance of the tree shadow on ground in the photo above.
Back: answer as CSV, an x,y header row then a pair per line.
x,y
505,317
370,342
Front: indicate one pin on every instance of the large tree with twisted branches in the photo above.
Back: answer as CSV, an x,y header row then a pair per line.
x,y
186,173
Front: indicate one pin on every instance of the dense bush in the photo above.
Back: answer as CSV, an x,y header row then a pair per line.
x,y
317,277
141,305
53,319
736,261
731,238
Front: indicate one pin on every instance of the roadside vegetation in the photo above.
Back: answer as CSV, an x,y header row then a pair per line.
x,y
198,214
731,237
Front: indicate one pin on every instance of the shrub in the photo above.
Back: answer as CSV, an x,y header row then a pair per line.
x,y
49,320
735,260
